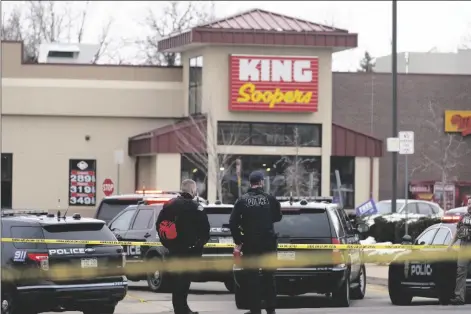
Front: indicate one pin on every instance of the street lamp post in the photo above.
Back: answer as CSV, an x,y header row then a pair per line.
x,y
394,102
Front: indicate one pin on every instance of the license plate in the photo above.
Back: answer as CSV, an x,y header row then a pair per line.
x,y
226,241
89,262
286,256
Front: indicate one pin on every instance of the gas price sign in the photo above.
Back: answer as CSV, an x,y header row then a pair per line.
x,y
82,182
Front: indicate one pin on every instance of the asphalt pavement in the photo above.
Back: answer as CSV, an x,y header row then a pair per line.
x,y
214,298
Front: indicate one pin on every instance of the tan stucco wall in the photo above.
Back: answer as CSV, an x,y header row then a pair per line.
x,y
363,178
167,172
216,103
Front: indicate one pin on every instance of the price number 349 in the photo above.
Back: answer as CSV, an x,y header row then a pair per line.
x,y
82,200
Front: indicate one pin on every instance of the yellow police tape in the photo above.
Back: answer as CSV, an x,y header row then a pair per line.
x,y
222,245
303,255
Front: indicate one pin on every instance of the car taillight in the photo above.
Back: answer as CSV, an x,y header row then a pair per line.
x,y
41,258
337,256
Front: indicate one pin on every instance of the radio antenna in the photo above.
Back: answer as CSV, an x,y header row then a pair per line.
x,y
66,210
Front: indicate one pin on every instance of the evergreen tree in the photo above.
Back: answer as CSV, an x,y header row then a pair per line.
x,y
367,64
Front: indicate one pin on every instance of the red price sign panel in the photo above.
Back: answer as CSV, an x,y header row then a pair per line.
x,y
82,182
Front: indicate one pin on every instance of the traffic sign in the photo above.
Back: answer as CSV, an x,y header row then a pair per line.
x,y
107,187
406,142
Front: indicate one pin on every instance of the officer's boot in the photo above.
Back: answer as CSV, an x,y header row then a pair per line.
x,y
271,311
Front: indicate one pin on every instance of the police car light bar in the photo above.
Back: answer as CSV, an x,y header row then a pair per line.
x,y
327,199
451,219
12,212
155,192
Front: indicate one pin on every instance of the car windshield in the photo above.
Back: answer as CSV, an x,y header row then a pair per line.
x,y
85,231
111,208
385,208
303,224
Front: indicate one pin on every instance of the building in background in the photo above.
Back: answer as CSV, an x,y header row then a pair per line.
x,y
453,63
68,53
76,132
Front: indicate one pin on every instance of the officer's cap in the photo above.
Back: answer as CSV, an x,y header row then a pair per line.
x,y
256,177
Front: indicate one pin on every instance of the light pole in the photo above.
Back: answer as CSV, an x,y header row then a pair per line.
x,y
394,102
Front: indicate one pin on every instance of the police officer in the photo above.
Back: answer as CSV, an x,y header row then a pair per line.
x,y
255,213
183,228
463,233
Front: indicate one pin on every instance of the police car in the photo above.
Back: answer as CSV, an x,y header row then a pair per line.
x,y
137,223
314,222
29,279
424,278
111,206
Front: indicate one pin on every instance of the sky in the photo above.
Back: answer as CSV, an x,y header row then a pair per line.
x,y
422,25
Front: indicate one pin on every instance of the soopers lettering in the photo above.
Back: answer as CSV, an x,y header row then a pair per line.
x,y
257,201
421,270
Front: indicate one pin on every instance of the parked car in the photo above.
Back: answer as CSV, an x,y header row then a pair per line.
x,y
414,209
137,223
454,215
422,278
313,223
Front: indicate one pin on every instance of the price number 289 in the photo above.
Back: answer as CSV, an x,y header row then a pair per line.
x,y
82,178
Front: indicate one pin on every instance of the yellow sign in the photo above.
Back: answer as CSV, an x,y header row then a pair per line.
x,y
249,93
458,121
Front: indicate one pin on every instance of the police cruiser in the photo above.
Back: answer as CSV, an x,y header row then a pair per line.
x,y
314,221
137,223
30,284
424,278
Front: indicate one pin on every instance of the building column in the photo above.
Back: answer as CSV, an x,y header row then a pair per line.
x,y
167,175
325,158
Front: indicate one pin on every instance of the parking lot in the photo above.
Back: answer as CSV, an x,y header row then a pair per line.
x,y
214,298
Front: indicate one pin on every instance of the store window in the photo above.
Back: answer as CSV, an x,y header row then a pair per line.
x,y
7,180
270,134
284,175
346,168
194,167
195,87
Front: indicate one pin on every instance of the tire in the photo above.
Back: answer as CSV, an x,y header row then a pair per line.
x,y
358,293
100,309
341,297
8,303
241,298
229,284
397,294
156,281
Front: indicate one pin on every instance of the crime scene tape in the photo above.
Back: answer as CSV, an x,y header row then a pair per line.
x,y
316,259
222,245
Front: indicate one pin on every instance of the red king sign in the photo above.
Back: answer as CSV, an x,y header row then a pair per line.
x,y
273,83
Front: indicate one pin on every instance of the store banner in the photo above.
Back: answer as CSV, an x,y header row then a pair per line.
x,y
367,208
273,83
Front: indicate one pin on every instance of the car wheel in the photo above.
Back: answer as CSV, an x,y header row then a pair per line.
x,y
155,280
101,309
241,298
229,283
8,306
397,293
358,293
341,297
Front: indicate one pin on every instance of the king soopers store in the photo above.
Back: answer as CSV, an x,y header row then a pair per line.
x,y
242,100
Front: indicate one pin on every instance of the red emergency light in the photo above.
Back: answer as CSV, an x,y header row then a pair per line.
x,y
451,219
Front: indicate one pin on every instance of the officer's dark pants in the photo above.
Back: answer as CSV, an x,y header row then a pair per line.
x,y
462,271
261,283
180,284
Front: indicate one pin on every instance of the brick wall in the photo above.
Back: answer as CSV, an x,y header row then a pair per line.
x,y
363,102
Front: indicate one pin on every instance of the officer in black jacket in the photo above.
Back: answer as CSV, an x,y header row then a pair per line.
x,y
255,213
183,228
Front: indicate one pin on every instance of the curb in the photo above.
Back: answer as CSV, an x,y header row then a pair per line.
x,y
377,281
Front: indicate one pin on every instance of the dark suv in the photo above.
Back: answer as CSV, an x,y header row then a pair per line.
x,y
137,223
30,278
303,222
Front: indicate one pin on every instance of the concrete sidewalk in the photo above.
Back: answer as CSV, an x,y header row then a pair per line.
x,y
377,274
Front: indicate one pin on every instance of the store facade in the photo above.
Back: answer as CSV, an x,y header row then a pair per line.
x,y
247,97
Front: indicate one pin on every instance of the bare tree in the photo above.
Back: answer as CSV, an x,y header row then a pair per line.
x,y
199,144
176,17
299,178
445,154
38,22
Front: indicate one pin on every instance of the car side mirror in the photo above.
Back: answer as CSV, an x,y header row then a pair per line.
x,y
362,228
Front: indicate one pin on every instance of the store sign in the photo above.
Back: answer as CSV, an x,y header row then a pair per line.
x,y
82,182
273,83
458,121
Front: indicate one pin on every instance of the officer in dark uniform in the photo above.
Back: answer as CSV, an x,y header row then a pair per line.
x,y
183,228
463,233
255,213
